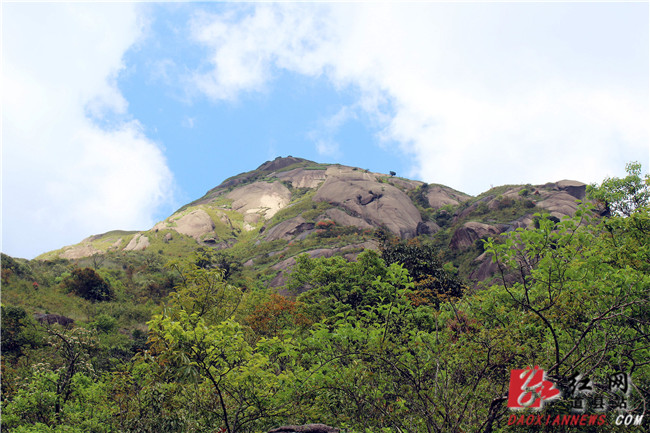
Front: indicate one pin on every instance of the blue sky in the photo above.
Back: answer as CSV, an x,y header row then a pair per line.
x,y
116,114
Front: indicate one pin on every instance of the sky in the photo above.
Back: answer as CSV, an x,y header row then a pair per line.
x,y
116,114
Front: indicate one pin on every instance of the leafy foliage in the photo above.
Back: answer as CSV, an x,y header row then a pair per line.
x,y
387,343
88,284
623,196
432,283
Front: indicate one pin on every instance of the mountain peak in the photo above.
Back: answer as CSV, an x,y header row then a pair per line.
x,y
280,163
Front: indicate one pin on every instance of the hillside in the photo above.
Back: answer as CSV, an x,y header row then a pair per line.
x,y
301,293
266,217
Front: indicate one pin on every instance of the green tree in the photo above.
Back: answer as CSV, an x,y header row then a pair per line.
x,y
18,331
196,341
432,283
89,285
332,286
622,196
580,292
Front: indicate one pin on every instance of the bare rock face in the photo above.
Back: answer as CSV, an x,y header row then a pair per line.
x,y
288,229
404,183
51,319
194,224
465,236
302,178
560,201
307,428
486,268
343,219
559,204
84,249
265,198
439,196
138,243
428,228
573,187
377,203
279,163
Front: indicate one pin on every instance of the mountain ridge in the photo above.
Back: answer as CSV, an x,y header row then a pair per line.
x,y
293,205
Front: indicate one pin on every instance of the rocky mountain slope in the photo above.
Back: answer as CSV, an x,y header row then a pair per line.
x,y
266,217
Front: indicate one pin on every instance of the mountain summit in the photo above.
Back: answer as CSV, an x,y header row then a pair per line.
x,y
290,206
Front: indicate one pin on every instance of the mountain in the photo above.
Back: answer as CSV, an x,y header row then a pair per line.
x,y
264,218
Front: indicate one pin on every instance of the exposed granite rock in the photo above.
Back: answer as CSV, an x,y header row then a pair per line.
x,y
439,196
427,228
465,236
194,224
377,203
559,204
138,243
404,183
485,269
573,187
288,229
343,219
279,163
84,249
51,319
265,198
302,178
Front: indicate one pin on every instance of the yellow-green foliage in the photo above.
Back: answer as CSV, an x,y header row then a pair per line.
x,y
304,207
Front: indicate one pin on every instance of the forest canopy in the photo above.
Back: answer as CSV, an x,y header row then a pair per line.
x,y
391,342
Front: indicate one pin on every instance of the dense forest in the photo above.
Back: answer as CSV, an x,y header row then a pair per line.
x,y
394,341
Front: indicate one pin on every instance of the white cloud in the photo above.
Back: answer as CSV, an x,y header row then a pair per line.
x,y
188,122
323,136
327,147
65,177
479,94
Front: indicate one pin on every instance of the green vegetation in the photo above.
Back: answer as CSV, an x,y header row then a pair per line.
x,y
391,342
89,285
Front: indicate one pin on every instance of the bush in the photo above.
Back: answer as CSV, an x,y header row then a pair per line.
x,y
105,323
87,284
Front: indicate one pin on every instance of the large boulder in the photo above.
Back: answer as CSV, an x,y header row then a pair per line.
x,y
439,196
465,236
262,198
573,187
560,198
559,204
379,204
288,229
302,178
485,269
83,249
139,243
344,219
194,224
51,319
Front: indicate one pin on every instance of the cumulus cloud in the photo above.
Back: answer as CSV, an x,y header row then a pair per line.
x,y
65,176
476,94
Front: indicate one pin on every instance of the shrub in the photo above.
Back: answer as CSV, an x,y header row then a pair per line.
x,y
87,284
105,323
